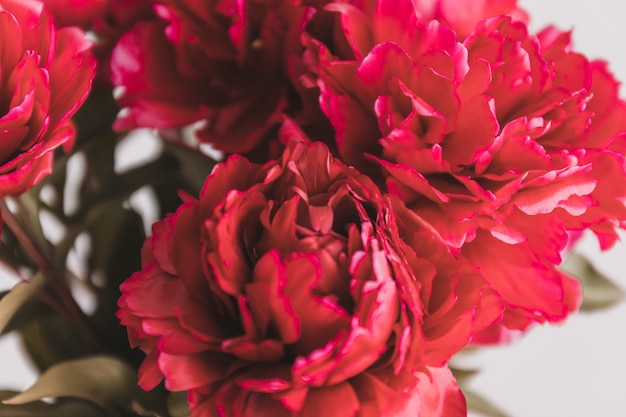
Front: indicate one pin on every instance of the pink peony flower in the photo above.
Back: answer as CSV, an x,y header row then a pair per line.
x,y
462,15
296,285
504,142
74,12
46,75
106,19
223,64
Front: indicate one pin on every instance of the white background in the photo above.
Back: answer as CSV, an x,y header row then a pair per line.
x,y
574,370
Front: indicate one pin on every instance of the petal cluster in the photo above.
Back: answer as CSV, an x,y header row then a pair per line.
x,y
497,139
223,65
297,282
403,178
106,20
75,12
45,75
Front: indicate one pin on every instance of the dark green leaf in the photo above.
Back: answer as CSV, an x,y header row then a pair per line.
x,y
194,165
463,376
28,206
598,291
11,253
95,116
103,380
116,238
11,303
177,404
62,408
34,309
478,404
53,339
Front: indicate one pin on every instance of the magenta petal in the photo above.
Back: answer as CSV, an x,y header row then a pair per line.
x,y
413,179
337,401
161,234
264,351
11,139
155,285
544,199
440,395
320,318
149,373
380,396
184,256
180,343
11,51
515,273
184,372
267,298
355,24
395,20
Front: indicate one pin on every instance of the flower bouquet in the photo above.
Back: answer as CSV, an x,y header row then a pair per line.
x,y
292,208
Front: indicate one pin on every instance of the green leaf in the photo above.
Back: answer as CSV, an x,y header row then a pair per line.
x,y
117,238
478,404
28,205
177,404
61,408
53,339
463,376
102,380
15,299
11,253
32,310
194,165
95,116
598,291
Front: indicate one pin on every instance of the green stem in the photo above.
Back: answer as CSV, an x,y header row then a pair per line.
x,y
54,278
44,293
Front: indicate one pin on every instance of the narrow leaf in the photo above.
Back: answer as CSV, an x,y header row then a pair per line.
x,y
177,404
15,299
55,338
599,292
463,376
100,379
479,405
64,408
33,310
194,165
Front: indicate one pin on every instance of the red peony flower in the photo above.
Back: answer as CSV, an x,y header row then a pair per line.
x,y
504,142
46,75
462,15
224,64
296,286
75,12
106,19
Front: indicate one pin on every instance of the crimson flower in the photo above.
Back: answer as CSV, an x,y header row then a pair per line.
x,y
504,141
462,15
224,65
106,19
296,286
46,75
75,12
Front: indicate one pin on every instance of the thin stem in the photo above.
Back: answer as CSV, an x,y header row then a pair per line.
x,y
54,278
44,293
